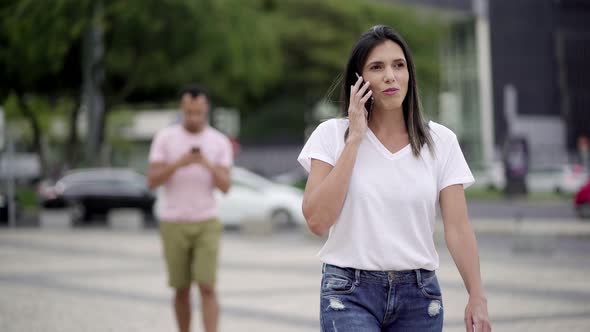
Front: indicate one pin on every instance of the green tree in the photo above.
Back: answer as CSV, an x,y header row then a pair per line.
x,y
316,39
271,59
40,41
153,47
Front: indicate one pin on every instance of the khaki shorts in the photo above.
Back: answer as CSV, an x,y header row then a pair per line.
x,y
191,251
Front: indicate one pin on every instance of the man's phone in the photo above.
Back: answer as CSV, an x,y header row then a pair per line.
x,y
369,103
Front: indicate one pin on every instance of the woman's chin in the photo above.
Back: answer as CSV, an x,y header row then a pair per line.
x,y
392,106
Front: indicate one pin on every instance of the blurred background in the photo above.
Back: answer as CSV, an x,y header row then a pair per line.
x,y
85,85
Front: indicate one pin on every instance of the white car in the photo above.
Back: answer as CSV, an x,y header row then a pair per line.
x,y
254,198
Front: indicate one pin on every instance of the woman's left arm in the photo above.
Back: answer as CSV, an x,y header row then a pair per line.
x,y
462,245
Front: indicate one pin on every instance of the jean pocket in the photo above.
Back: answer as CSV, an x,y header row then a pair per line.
x,y
335,284
431,288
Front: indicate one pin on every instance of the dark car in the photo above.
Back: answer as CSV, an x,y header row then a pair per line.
x,y
582,201
5,203
94,192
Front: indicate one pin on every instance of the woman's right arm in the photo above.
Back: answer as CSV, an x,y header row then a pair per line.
x,y
326,189
327,185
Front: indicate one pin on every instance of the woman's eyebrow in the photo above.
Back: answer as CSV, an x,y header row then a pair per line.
x,y
379,62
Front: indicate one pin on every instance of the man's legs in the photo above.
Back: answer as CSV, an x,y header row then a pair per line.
x,y
206,253
182,307
178,254
210,306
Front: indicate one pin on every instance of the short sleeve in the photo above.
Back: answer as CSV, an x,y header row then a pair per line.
x,y
453,167
320,145
226,154
158,149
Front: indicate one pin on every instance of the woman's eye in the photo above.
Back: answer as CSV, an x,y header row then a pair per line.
x,y
400,65
375,67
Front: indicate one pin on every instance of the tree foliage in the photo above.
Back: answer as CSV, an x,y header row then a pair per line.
x,y
254,55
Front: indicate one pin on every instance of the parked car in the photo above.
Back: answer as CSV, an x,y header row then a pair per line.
x,y
295,176
94,192
5,208
255,198
582,201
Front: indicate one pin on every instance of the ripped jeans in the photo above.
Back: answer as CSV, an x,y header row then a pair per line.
x,y
401,301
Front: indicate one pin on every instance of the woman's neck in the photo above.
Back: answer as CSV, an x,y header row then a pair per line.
x,y
388,123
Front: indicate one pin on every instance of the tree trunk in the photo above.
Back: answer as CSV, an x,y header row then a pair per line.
x,y
73,144
37,135
104,160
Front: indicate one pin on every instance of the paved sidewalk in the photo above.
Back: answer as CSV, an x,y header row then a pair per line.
x,y
101,280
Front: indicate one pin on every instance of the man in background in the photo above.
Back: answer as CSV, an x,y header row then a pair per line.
x,y
190,160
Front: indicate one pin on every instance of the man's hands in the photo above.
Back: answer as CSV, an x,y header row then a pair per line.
x,y
221,175
193,157
159,173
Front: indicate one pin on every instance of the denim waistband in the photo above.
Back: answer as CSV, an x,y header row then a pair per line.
x,y
405,276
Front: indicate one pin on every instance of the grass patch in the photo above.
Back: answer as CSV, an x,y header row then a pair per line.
x,y
300,184
26,198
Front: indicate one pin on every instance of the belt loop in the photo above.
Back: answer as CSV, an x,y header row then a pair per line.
x,y
418,278
323,268
357,276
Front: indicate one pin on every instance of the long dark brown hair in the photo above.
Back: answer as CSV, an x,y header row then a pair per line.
x,y
417,126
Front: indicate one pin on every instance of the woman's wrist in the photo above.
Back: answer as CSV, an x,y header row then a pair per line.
x,y
478,295
354,139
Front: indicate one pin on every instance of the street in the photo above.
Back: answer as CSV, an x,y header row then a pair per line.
x,y
96,279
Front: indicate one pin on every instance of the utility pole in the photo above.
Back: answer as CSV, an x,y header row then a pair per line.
x,y
484,64
11,185
93,76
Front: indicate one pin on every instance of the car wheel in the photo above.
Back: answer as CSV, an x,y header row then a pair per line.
x,y
148,218
78,212
282,217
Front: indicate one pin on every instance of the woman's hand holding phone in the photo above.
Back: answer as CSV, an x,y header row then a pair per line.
x,y
357,113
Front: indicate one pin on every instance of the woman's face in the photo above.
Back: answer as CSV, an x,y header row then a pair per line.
x,y
387,71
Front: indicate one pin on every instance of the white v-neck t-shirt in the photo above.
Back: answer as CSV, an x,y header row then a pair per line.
x,y
387,220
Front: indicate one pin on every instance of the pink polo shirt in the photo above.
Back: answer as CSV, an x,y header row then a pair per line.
x,y
188,193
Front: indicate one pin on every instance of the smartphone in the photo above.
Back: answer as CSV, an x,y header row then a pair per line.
x,y
368,103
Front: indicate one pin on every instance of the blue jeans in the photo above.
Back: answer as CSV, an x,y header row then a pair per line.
x,y
401,301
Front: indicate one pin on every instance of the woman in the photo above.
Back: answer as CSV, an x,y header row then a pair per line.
x,y
375,179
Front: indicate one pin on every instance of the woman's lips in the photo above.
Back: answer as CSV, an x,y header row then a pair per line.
x,y
390,92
